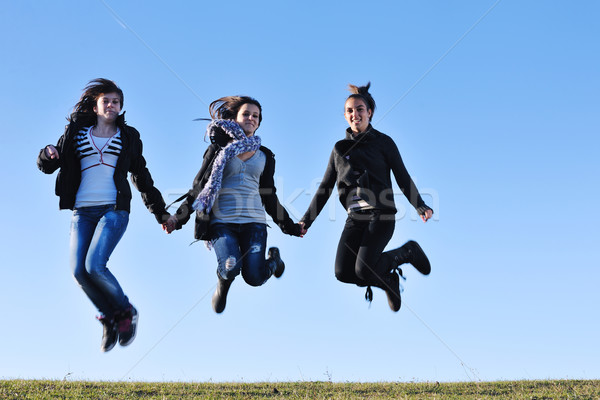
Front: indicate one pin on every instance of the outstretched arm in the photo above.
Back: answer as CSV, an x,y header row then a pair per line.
x,y
322,195
273,207
142,180
405,182
182,216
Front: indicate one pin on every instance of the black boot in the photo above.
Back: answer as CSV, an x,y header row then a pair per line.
x,y
411,253
390,283
277,265
219,298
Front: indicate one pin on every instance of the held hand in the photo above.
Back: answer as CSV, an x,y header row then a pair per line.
x,y
51,152
428,214
170,225
303,230
168,228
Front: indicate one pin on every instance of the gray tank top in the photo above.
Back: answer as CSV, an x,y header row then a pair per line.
x,y
238,201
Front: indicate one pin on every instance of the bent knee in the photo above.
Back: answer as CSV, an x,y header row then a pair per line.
x,y
80,275
255,279
344,277
97,274
256,276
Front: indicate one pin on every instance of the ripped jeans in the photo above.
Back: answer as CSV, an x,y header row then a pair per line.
x,y
241,248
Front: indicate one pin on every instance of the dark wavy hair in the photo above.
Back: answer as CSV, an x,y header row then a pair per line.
x,y
229,106
362,92
94,89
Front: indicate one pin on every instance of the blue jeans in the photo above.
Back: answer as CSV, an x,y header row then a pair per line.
x,y
95,232
241,248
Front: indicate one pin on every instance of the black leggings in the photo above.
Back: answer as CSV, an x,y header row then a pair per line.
x,y
364,237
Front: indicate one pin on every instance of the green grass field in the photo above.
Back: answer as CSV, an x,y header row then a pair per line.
x,y
555,389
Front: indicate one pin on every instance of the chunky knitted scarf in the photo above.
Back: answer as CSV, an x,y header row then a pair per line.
x,y
240,144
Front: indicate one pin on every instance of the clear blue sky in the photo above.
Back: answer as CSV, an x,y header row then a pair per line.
x,y
493,104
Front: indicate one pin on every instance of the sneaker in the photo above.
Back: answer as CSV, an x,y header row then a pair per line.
x,y
219,299
127,321
275,258
110,333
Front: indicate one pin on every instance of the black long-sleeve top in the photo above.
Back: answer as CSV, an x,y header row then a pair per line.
x,y
361,166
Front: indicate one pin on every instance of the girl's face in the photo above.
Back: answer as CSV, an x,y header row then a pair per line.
x,y
357,114
248,118
108,106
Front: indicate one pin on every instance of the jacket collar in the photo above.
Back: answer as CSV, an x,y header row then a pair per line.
x,y
85,119
365,136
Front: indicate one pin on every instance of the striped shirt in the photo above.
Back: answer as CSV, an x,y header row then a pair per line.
x,y
98,158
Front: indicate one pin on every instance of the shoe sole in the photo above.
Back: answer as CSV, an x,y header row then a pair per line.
x,y
108,349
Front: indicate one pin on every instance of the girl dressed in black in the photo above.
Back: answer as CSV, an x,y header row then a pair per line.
x,y
360,165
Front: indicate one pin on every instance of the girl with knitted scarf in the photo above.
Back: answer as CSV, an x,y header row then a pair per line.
x,y
231,192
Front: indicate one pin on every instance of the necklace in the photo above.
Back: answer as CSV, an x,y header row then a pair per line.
x,y
101,151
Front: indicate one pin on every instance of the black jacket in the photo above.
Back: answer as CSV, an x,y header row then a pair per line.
x,y
130,160
268,193
361,165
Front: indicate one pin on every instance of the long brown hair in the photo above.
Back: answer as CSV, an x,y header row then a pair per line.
x,y
94,89
229,106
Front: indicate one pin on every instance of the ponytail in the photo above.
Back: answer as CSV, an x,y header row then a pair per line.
x,y
362,92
